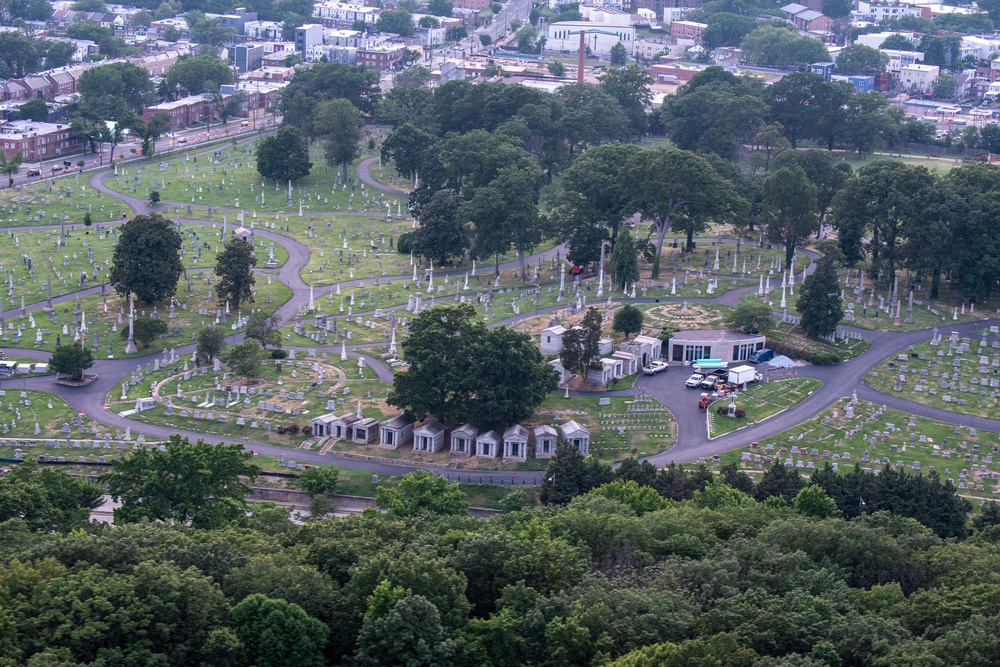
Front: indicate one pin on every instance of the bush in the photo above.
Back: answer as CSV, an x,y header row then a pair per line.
x,y
723,410
293,428
278,354
825,358
405,243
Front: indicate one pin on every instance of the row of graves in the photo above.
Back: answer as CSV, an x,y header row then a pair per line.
x,y
51,204
960,375
852,433
890,306
643,421
516,443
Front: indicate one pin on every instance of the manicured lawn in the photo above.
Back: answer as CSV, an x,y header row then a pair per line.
x,y
46,202
761,400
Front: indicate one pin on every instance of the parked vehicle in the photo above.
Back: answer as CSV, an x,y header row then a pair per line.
x,y
694,380
712,382
763,354
655,367
743,375
704,401
705,365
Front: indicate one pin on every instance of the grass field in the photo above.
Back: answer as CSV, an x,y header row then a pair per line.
x,y
22,409
760,400
47,202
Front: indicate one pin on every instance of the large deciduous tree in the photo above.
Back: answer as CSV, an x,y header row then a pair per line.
x,y
190,73
628,320
197,483
275,632
284,156
861,59
441,234
145,330
750,318
788,210
147,258
244,358
422,492
48,500
234,266
819,300
581,344
678,190
71,360
339,123
211,340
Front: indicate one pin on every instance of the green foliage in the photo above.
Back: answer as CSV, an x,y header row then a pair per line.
x,y
191,73
773,45
244,358
861,59
641,499
284,156
581,343
196,482
624,260
619,55
570,474
750,318
234,266
211,340
71,360
121,81
788,209
441,234
398,21
274,632
339,122
556,68
47,500
265,329
628,320
422,492
36,110
812,501
145,330
318,480
147,259
819,300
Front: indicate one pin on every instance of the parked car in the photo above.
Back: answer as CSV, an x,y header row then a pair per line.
x,y
655,368
694,380
763,354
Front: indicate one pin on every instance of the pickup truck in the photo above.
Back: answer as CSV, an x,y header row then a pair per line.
x,y
711,382
694,381
655,367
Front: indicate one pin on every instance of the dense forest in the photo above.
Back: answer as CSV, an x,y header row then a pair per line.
x,y
682,569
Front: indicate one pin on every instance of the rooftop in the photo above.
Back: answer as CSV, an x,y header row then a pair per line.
x,y
714,336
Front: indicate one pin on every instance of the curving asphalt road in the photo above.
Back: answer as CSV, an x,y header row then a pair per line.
x,y
692,441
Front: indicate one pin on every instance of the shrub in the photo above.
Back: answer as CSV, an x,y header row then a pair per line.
x,y
278,354
292,428
404,244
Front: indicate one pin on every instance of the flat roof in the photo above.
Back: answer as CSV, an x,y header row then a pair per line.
x,y
714,336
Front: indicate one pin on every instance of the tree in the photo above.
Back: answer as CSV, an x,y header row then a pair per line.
x,y
244,359
420,493
197,483
750,318
429,22
779,481
264,328
441,234
823,170
624,260
861,59
812,501
619,55
11,166
234,266
328,81
227,106
145,330
209,32
570,474
171,34
836,9
147,259
36,110
819,300
897,42
339,122
211,340
678,189
318,480
945,86
71,360
788,210
485,39
406,146
154,197
190,73
630,87
509,379
47,500
581,344
869,124
777,46
409,101
726,29
397,21
628,320
120,81
440,7
275,632
411,633
556,68
284,156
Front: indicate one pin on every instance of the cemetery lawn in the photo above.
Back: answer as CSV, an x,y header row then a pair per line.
x,y
923,315
843,349
46,202
101,323
827,435
761,400
33,408
198,180
977,398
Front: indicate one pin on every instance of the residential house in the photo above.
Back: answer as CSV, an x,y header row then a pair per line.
x,y
395,433
428,437
577,435
918,78
546,439
515,443
463,440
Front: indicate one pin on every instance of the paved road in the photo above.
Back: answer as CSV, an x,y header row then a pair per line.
x,y
692,440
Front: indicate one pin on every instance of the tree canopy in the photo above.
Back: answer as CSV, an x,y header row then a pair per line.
x,y
147,258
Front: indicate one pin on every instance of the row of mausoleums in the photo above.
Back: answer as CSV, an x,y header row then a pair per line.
x,y
464,440
630,357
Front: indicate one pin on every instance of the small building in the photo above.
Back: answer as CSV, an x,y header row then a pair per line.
x,y
604,371
395,432
918,78
546,440
825,70
713,344
321,425
487,444
551,340
365,431
630,363
577,435
515,443
428,438
463,440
